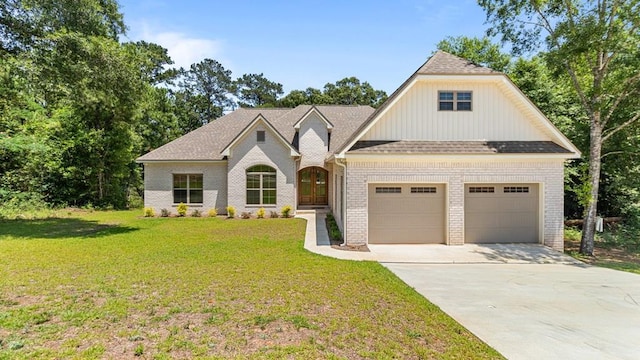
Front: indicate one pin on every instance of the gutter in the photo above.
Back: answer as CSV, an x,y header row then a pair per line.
x,y
339,162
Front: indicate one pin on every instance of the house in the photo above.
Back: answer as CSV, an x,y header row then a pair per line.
x,y
456,155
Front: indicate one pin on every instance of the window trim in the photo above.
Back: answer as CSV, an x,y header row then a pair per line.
x,y
261,172
455,101
188,189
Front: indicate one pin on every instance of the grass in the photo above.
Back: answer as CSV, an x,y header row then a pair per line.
x,y
117,285
606,253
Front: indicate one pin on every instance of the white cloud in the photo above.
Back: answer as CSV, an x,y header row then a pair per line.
x,y
184,49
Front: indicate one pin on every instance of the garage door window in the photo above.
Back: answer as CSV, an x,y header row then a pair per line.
x,y
516,189
482,189
388,190
423,190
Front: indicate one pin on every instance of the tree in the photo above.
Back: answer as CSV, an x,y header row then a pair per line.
x,y
596,44
348,91
479,51
208,84
255,90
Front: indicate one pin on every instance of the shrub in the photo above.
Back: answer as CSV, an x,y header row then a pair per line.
x,y
182,209
231,212
149,212
260,213
164,213
332,227
196,213
246,215
213,212
274,214
286,211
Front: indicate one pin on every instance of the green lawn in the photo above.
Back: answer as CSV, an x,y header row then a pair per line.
x,y
114,285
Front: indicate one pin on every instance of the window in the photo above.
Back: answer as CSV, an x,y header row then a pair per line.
x,y
481,189
261,185
454,100
388,190
516,189
260,136
187,188
423,190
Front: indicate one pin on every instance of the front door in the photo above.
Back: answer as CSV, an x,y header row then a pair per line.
x,y
312,186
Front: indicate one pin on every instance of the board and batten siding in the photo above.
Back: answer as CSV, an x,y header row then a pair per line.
x,y
494,116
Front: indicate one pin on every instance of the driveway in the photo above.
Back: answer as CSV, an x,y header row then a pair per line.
x,y
537,311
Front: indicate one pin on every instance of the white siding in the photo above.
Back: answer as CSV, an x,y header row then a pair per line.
x,y
158,185
248,152
494,116
313,141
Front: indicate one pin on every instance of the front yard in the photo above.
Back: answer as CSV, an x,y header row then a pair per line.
x,y
114,285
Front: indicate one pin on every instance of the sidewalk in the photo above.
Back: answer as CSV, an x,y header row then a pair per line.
x,y
317,241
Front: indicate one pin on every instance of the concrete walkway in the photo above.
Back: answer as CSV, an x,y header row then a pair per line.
x,y
526,301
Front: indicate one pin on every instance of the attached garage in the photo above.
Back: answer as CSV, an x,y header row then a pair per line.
x,y
406,214
501,213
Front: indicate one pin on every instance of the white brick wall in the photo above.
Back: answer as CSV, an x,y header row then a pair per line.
x,y
247,153
313,142
548,173
158,184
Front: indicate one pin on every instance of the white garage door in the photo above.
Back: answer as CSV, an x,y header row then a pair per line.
x,y
501,213
406,213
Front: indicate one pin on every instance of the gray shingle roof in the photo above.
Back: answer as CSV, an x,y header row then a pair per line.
x,y
207,142
444,63
457,147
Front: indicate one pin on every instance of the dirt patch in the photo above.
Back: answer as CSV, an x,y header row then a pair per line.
x,y
602,254
362,248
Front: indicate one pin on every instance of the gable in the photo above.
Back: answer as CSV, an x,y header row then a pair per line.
x,y
494,115
269,140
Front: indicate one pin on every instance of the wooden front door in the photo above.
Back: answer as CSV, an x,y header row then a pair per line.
x,y
312,186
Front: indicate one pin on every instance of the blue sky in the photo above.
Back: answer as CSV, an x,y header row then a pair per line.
x,y
304,44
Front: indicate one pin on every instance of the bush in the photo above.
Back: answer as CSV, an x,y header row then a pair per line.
x,y
286,211
149,212
274,214
231,212
196,213
213,212
164,213
182,209
260,213
332,227
246,215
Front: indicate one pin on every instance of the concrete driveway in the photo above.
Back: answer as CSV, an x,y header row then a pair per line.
x,y
537,311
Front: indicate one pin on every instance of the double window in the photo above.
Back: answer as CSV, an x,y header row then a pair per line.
x,y
187,188
261,185
454,100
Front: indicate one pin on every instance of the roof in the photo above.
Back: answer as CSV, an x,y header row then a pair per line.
x,y
207,142
457,147
444,63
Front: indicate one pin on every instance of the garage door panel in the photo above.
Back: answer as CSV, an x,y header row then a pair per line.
x,y
407,217
509,214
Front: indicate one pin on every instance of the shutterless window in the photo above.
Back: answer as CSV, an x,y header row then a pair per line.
x,y
388,190
423,190
187,188
261,185
454,100
260,136
516,189
482,189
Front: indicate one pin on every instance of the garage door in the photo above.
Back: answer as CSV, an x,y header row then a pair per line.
x,y
501,213
406,213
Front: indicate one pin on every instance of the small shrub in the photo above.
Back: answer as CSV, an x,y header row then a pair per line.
x,y
260,213
149,212
164,213
286,211
246,215
213,212
274,214
333,229
182,209
139,350
231,212
196,213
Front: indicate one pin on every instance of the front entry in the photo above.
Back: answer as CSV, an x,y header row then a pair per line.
x,y
312,186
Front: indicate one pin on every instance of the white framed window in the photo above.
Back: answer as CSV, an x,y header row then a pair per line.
x,y
423,190
482,189
454,100
187,188
516,189
388,190
261,185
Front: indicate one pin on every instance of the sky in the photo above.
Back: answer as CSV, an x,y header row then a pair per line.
x,y
304,43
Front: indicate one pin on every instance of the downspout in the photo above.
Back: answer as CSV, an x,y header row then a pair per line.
x,y
343,199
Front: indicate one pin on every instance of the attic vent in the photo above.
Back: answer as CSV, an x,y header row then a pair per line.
x,y
260,136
